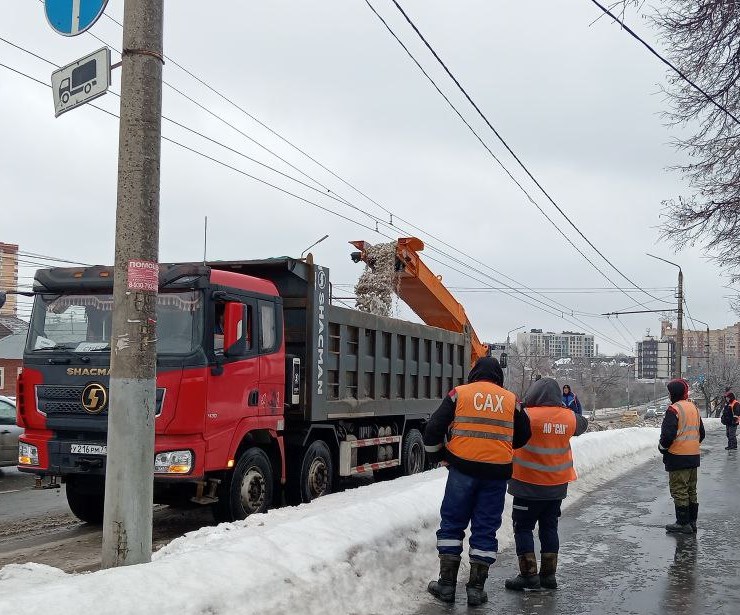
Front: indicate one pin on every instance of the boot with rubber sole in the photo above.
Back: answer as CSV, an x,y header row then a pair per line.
x,y
444,587
474,587
682,524
527,577
693,515
548,568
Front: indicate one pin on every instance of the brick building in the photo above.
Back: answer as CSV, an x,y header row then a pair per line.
x,y
721,341
11,361
9,276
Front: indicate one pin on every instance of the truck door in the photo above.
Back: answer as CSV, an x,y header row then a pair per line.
x,y
272,361
233,381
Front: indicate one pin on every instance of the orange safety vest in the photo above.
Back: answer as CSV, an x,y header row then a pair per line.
x,y
483,427
687,437
733,404
547,458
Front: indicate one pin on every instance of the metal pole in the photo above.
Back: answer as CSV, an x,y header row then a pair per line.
x,y
127,522
679,335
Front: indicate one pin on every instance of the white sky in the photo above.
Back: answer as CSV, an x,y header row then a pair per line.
x,y
580,105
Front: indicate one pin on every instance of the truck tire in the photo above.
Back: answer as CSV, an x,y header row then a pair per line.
x,y
85,496
315,476
413,457
249,489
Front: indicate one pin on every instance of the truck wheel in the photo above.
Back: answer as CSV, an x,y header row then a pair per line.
x,y
85,497
316,475
65,98
250,489
412,453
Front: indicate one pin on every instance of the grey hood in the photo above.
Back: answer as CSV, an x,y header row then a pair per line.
x,y
543,392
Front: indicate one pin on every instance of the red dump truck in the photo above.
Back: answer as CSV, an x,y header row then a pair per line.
x,y
265,388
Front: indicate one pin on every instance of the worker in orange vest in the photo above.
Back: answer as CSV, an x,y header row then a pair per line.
x,y
680,436
542,470
483,424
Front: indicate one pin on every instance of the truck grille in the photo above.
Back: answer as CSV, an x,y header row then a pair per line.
x,y
66,400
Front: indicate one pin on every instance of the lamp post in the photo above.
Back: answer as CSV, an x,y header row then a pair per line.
x,y
508,347
679,334
315,243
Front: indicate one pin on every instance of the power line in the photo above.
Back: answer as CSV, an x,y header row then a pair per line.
x,y
506,145
339,198
541,306
669,64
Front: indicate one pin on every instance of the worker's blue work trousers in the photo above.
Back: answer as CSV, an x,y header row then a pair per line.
x,y
475,501
528,513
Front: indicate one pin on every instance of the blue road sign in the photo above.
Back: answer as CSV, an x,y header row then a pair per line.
x,y
73,17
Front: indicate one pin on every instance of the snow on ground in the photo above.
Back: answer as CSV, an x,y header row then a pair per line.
x,y
368,550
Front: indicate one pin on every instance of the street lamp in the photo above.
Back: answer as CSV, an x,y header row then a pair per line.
x,y
679,334
508,346
315,243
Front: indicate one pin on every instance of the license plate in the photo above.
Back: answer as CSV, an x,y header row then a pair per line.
x,y
89,449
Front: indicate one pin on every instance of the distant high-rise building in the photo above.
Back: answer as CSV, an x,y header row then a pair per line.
x,y
655,359
568,344
9,276
724,342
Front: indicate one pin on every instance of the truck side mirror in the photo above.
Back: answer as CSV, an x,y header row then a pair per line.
x,y
504,360
3,298
235,329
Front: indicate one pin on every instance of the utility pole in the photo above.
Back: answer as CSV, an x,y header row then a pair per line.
x,y
127,522
679,333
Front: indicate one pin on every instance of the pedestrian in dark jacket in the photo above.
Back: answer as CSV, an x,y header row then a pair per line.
x,y
730,419
681,433
542,470
570,400
483,424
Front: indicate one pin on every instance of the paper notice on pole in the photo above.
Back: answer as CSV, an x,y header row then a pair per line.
x,y
143,275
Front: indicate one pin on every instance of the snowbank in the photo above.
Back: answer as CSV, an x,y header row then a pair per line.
x,y
340,554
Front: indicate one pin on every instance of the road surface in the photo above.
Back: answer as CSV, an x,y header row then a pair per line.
x,y
617,558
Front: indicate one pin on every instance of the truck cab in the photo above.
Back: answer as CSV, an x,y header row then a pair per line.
x,y
220,375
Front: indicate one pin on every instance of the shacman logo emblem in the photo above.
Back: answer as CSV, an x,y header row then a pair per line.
x,y
94,398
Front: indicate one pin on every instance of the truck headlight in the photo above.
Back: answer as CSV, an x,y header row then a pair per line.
x,y
173,462
28,455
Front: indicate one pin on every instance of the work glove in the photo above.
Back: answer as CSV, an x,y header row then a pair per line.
x,y
435,457
662,449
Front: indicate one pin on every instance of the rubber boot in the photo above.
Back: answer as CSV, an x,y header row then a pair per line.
x,y
474,587
548,568
693,515
444,587
682,524
527,577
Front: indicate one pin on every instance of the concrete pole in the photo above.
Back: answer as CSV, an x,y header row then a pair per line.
x,y
679,333
127,522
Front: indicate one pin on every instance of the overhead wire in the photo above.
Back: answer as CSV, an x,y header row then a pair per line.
x,y
547,195
668,63
541,306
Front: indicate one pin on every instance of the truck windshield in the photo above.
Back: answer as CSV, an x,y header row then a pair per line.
x,y
82,323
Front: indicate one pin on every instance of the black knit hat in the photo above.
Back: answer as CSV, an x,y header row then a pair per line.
x,y
678,389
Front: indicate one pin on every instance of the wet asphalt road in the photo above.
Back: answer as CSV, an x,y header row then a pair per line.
x,y
615,556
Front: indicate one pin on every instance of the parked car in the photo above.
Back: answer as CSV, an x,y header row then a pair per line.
x,y
9,433
651,412
660,412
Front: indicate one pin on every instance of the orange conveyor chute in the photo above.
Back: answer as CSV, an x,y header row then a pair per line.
x,y
425,293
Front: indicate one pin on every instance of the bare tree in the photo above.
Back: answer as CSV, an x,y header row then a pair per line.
x,y
525,367
703,40
715,377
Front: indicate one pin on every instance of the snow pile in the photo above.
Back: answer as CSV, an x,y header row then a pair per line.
x,y
374,290
368,550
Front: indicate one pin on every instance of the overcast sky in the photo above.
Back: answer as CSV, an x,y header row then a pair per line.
x,y
580,105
